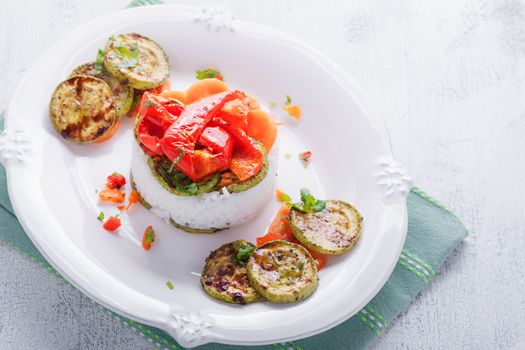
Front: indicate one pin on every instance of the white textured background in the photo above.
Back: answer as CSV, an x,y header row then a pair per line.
x,y
447,76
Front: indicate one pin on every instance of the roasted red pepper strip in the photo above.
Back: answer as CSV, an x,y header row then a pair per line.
x,y
217,154
247,159
182,136
156,115
235,113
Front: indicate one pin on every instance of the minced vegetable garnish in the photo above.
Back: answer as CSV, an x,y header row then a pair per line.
x,y
304,157
209,72
148,238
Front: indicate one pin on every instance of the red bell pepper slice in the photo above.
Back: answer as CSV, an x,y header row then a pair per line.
x,y
235,113
247,159
156,115
217,154
183,135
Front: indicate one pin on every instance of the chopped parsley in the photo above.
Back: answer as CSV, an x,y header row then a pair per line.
x,y
209,72
308,202
100,61
170,285
177,159
288,156
177,179
273,105
288,100
300,265
149,235
244,251
285,198
100,217
192,188
130,57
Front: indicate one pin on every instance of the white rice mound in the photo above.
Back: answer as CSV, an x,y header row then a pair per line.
x,y
208,211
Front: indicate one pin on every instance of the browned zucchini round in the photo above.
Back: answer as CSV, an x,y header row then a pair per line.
x,y
123,92
282,272
224,274
331,231
82,108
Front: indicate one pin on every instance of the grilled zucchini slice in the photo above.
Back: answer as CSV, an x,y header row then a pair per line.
x,y
82,108
331,231
136,59
224,275
123,92
282,272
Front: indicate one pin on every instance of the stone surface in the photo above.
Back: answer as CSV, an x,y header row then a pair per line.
x,y
448,77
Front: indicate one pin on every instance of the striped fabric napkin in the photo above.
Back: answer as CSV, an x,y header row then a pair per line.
x,y
433,232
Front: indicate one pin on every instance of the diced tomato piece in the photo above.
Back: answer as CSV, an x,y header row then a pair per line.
x,y
115,180
112,223
112,195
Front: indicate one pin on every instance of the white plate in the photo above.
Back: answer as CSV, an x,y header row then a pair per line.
x,y
52,182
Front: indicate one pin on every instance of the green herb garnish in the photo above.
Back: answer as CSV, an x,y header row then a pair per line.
x,y
170,285
177,159
273,105
100,61
129,56
192,189
300,265
288,156
100,217
285,198
208,73
244,251
288,100
308,202
150,236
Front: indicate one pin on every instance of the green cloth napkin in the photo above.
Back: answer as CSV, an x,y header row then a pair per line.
x,y
433,232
